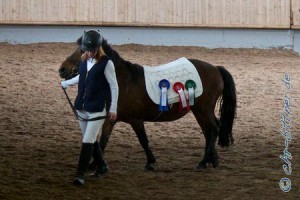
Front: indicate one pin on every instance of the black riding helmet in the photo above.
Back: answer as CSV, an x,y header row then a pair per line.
x,y
91,40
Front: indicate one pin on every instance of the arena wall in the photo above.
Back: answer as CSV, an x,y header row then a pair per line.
x,y
208,23
173,13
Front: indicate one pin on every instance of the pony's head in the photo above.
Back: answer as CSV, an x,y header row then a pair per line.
x,y
69,68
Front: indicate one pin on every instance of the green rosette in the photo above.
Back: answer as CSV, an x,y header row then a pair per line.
x,y
190,84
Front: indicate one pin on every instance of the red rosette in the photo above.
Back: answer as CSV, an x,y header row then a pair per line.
x,y
177,86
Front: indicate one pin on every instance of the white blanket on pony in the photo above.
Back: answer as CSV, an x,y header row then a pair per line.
x,y
179,70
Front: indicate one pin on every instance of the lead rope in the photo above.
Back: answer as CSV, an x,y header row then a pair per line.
x,y
157,117
75,112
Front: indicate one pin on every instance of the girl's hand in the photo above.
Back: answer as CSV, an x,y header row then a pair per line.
x,y
64,84
112,116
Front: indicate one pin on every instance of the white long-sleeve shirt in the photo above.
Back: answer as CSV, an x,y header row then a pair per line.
x,y
111,78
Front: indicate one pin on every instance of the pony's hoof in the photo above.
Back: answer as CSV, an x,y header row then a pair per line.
x,y
95,175
215,163
92,166
100,171
200,166
78,181
149,167
103,169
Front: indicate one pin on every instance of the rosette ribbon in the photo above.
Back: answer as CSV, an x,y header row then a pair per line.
x,y
164,85
190,85
179,89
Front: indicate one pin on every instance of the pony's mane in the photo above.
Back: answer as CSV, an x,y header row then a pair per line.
x,y
135,69
111,53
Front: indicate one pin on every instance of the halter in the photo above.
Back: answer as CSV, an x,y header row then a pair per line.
x,y
76,114
74,72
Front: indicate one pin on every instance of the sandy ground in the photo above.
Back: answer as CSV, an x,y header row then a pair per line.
x,y
40,138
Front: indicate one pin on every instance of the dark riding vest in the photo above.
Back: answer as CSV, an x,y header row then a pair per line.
x,y
93,87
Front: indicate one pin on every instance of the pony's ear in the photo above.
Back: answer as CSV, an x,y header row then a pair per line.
x,y
104,42
79,41
79,50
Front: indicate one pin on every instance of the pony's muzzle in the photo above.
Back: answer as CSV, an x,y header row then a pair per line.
x,y
62,72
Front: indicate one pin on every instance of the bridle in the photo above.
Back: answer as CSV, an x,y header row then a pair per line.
x,y
74,72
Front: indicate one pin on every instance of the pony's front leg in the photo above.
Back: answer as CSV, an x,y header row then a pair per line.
x,y
138,127
106,132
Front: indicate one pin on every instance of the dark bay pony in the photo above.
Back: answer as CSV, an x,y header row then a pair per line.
x,y
135,106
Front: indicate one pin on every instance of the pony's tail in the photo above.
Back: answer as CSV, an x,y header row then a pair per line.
x,y
227,108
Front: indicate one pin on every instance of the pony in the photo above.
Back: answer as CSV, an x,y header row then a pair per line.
x,y
135,106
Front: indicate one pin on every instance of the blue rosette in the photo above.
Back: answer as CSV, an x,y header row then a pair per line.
x,y
164,85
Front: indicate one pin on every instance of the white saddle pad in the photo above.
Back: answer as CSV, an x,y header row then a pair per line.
x,y
179,70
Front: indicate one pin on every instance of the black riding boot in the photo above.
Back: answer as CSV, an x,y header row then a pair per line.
x,y
93,165
101,164
84,159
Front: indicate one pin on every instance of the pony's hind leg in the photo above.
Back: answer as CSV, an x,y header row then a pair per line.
x,y
138,127
210,127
